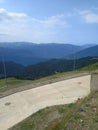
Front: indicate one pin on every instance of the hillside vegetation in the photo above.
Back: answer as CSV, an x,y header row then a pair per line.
x,y
55,66
12,82
90,67
43,69
9,68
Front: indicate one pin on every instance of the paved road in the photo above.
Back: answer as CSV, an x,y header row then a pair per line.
x,y
18,106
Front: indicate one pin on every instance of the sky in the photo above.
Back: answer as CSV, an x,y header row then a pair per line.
x,y
49,21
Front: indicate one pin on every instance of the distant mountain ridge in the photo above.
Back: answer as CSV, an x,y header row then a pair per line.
x,y
91,51
27,53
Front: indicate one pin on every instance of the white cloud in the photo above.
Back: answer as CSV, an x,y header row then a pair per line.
x,y
84,12
9,16
58,20
89,16
13,24
19,26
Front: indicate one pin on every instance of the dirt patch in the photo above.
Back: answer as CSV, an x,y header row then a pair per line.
x,y
7,104
79,83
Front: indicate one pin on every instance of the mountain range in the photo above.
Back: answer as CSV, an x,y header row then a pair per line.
x,y
26,53
91,51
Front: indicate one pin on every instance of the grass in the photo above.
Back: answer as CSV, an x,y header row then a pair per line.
x,y
2,83
11,82
12,85
42,118
85,118
92,67
58,125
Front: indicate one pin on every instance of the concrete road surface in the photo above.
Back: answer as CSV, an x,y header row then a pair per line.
x,y
18,106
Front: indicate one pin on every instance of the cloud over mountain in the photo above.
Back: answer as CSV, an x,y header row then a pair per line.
x,y
6,15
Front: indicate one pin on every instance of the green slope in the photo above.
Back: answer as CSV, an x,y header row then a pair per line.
x,y
12,82
90,67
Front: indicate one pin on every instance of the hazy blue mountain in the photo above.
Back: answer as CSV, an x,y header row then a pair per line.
x,y
91,51
89,45
29,53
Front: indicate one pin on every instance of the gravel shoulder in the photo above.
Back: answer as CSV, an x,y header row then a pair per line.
x,y
37,83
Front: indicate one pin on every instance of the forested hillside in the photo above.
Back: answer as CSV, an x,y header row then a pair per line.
x,y
54,66
43,69
9,68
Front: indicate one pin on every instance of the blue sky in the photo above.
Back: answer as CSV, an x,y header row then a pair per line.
x,y
49,21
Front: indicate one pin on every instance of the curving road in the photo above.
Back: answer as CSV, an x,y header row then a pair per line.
x,y
18,106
